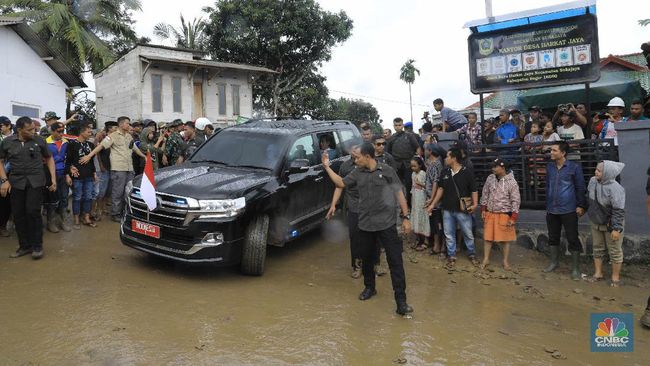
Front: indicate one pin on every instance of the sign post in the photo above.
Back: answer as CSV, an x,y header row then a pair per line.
x,y
557,52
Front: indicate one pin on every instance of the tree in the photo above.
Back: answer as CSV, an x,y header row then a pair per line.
x,y
188,35
407,75
353,110
79,30
293,37
644,22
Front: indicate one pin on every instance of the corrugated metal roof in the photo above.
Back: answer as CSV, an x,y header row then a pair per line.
x,y
207,63
52,58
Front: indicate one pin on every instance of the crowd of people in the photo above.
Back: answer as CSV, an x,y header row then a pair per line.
x,y
394,168
41,166
393,178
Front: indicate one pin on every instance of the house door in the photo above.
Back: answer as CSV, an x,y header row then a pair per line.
x,y
197,108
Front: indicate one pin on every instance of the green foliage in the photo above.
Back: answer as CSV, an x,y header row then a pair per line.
x,y
353,110
407,72
293,37
188,35
81,31
644,22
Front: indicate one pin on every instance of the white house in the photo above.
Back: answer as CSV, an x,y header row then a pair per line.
x,y
165,83
33,77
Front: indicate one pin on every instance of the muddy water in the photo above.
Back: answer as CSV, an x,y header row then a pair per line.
x,y
93,301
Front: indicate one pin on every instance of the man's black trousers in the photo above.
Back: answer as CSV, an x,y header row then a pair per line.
x,y
26,207
570,223
393,246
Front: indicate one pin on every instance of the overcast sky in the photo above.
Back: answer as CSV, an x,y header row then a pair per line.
x,y
387,33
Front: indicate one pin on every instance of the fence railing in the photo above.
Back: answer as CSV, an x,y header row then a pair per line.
x,y
528,163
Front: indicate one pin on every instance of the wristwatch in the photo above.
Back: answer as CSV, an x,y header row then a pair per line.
x,y
405,217
3,180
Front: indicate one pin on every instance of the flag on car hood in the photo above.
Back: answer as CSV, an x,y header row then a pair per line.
x,y
148,185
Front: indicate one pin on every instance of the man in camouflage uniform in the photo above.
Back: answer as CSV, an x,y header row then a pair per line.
x,y
192,139
51,117
175,146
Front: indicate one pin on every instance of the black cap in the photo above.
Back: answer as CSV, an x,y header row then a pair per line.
x,y
535,108
515,110
111,124
56,126
499,162
4,120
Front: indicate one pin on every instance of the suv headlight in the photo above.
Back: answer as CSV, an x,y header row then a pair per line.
x,y
221,208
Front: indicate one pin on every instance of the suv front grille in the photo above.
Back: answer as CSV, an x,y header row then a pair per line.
x,y
171,210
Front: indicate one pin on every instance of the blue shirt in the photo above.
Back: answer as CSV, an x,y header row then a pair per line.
x,y
565,188
454,119
506,132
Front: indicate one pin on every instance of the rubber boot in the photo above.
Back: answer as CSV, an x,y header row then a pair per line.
x,y
51,221
62,219
575,266
555,259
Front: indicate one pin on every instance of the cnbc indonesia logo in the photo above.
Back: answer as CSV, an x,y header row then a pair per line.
x,y
611,333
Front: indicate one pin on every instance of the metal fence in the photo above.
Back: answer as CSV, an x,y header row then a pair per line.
x,y
528,163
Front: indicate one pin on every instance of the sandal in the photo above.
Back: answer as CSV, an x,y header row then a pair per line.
x,y
421,247
76,226
594,279
615,283
89,223
451,262
474,261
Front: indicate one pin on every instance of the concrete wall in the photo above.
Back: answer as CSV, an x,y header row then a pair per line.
x,y
634,151
211,97
167,114
26,80
118,90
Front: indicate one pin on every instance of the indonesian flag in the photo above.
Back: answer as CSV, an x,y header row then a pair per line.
x,y
148,185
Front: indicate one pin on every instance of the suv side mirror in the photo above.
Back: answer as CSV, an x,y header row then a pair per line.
x,y
298,166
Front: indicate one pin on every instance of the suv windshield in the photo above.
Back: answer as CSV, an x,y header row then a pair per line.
x,y
243,149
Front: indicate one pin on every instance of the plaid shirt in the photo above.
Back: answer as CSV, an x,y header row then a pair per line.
x,y
473,133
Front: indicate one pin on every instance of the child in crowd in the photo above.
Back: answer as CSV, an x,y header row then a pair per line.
x,y
549,135
535,134
419,216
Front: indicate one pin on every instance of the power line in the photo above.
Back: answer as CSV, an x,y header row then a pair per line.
x,y
379,99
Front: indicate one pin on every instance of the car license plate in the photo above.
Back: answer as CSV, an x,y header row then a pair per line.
x,y
145,229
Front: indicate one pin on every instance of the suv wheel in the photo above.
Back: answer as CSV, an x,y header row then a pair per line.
x,y
254,251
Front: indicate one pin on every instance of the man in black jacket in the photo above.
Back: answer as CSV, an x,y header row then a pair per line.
x,y
402,146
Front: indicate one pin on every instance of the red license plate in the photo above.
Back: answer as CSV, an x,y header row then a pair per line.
x,y
145,229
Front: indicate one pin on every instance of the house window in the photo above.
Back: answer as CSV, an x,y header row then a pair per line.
x,y
221,93
156,93
23,111
176,91
235,100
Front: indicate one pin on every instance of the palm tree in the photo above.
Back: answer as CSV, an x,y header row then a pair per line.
x,y
188,35
407,75
78,30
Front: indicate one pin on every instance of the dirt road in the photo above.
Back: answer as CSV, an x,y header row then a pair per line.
x,y
93,301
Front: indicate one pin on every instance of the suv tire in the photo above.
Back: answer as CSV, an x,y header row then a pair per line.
x,y
254,250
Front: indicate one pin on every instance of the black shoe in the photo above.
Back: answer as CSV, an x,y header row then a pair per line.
x,y
20,252
37,254
367,293
403,308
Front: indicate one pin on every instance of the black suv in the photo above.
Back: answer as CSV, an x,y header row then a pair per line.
x,y
251,185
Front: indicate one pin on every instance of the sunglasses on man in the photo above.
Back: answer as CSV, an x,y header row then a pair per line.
x,y
380,143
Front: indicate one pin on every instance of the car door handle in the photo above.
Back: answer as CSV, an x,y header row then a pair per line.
x,y
318,179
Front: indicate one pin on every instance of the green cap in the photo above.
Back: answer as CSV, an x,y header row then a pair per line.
x,y
51,115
